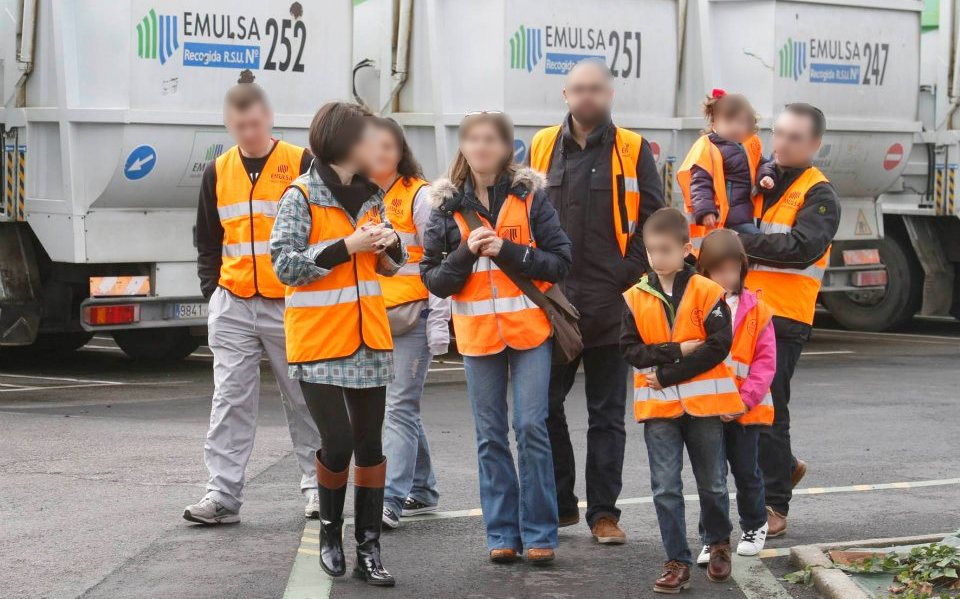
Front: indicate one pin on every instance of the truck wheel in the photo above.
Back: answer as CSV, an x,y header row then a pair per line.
x,y
887,308
163,344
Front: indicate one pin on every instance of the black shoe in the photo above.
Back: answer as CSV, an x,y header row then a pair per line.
x,y
415,507
368,505
332,487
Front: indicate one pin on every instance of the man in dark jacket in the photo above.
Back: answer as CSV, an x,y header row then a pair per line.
x,y
603,181
784,258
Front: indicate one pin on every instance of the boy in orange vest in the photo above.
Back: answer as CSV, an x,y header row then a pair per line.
x,y
676,333
753,360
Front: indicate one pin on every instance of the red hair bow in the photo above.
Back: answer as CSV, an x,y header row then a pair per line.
x,y
718,93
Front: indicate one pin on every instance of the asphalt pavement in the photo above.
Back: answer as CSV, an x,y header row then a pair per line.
x,y
99,455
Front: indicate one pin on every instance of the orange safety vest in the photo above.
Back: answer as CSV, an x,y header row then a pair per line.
x,y
712,393
791,292
626,190
405,286
741,357
247,211
490,313
332,316
707,156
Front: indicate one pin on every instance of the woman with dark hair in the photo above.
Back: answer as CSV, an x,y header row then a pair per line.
x,y
330,242
491,217
418,322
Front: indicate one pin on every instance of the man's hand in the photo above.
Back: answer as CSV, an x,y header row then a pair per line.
x,y
727,418
491,247
478,239
710,221
766,182
688,347
652,381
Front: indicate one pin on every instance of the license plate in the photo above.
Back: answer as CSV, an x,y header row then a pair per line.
x,y
185,311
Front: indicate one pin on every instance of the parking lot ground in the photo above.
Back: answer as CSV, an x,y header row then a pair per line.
x,y
98,456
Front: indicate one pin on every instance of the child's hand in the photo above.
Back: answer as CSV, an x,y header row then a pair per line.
x,y
727,418
710,221
688,347
652,381
766,182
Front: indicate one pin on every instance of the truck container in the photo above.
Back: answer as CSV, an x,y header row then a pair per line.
x,y
110,113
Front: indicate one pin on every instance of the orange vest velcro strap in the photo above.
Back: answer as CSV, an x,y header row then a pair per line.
x,y
405,285
247,211
626,188
490,313
711,393
791,292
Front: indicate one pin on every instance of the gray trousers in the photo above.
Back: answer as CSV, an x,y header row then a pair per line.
x,y
242,332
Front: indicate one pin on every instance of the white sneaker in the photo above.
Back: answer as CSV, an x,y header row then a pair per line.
x,y
209,511
312,509
752,541
704,558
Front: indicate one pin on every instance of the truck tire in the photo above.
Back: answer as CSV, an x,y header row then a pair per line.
x,y
163,344
887,309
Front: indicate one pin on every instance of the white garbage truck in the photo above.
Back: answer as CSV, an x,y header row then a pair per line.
x,y
110,113
111,110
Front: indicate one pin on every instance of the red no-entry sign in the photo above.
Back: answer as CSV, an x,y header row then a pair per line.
x,y
894,156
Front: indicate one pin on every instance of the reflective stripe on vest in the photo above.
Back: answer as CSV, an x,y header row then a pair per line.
x,y
791,292
489,312
332,316
247,211
706,155
406,285
624,159
711,393
741,356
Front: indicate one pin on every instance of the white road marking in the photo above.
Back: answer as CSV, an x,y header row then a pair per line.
x,y
827,352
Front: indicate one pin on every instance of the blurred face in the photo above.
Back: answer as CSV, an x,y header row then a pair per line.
x,y
727,275
589,94
665,252
249,128
364,157
794,142
483,148
737,127
386,154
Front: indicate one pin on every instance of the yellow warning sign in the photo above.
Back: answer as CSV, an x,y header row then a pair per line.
x,y
863,227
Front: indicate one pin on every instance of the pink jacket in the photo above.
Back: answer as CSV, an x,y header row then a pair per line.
x,y
764,365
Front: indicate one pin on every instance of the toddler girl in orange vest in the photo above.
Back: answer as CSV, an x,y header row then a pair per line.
x,y
753,361
719,173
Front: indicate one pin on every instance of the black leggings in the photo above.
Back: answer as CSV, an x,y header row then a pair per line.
x,y
350,422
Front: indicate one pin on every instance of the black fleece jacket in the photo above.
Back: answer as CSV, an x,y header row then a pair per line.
x,y
816,225
448,262
672,367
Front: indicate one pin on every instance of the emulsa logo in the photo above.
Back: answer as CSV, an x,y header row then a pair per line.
x,y
224,40
554,49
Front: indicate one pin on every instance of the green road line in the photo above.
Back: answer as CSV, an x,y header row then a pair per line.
x,y
307,580
755,580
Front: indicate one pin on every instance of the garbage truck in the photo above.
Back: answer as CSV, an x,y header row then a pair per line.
x,y
111,111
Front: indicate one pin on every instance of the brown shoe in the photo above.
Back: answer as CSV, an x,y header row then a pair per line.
x,y
540,556
569,519
675,578
607,532
718,569
776,523
503,556
797,475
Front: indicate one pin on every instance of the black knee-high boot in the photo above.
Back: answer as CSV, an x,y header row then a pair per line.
x,y
368,505
332,487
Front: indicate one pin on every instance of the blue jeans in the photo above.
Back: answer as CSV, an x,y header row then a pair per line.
x,y
741,444
409,471
703,437
517,514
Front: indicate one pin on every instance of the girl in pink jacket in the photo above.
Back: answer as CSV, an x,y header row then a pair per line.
x,y
753,361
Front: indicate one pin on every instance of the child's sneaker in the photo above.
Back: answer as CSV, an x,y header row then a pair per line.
x,y
752,541
704,558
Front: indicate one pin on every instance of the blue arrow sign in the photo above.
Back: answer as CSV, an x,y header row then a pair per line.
x,y
140,162
519,151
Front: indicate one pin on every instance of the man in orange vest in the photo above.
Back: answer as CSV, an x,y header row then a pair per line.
x,y
239,194
798,221
603,181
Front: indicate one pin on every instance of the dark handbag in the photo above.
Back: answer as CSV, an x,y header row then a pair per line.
x,y
563,316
